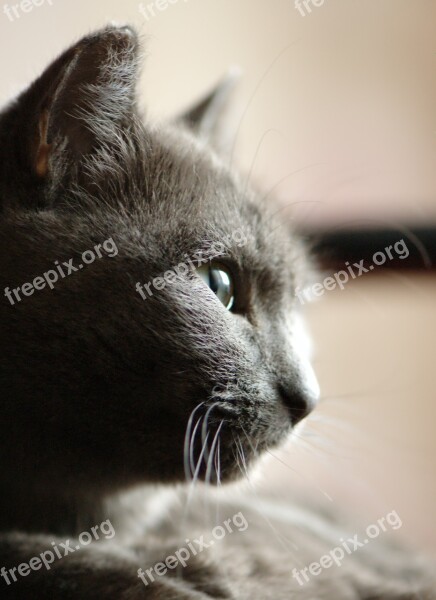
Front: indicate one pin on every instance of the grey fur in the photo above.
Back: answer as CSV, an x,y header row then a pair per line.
x,y
98,385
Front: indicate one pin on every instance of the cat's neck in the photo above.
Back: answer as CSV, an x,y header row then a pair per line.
x,y
69,514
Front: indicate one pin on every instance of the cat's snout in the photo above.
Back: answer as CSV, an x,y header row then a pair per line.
x,y
299,402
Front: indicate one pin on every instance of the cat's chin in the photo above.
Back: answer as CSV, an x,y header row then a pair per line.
x,y
238,454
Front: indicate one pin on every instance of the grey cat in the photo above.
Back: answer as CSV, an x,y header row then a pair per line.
x,y
148,333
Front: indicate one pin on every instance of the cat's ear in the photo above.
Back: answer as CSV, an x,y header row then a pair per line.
x,y
81,101
207,117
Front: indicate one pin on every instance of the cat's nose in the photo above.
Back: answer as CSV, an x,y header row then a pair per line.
x,y
297,402
299,397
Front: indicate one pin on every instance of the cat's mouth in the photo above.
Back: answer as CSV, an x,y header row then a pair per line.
x,y
222,443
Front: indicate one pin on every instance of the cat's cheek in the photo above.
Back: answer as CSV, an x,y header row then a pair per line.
x,y
302,346
309,381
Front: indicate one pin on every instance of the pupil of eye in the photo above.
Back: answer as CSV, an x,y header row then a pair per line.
x,y
220,282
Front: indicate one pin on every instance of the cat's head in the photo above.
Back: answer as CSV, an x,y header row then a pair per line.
x,y
121,361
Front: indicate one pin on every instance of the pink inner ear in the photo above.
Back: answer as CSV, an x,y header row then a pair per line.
x,y
92,81
43,150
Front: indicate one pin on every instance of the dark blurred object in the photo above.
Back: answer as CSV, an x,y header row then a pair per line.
x,y
334,249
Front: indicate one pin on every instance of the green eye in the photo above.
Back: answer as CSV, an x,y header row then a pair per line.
x,y
220,281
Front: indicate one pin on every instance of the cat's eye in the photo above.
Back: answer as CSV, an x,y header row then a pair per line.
x,y
219,279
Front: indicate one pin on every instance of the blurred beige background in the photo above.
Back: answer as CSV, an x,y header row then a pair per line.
x,y
336,115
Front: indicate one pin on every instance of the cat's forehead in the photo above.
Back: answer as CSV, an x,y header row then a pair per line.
x,y
198,192
172,189
185,175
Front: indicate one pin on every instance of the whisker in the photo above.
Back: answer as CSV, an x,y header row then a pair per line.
x,y
186,443
256,89
217,461
280,181
261,141
212,454
283,541
302,475
200,459
191,447
205,422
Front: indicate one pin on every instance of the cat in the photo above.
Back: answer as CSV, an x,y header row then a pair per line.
x,y
150,334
